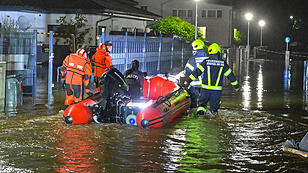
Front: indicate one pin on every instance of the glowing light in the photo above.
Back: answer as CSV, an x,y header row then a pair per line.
x,y
261,23
248,16
140,105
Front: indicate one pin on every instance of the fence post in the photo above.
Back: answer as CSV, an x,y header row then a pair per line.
x,y
159,52
125,52
172,48
34,53
182,62
143,50
1,41
305,83
51,55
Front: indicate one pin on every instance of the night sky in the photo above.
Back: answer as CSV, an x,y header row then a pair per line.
x,y
276,13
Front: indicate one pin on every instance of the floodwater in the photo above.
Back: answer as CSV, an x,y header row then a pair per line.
x,y
246,137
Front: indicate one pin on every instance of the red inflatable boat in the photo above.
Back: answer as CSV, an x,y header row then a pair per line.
x,y
163,102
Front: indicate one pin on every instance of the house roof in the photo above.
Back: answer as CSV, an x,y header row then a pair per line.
x,y
124,7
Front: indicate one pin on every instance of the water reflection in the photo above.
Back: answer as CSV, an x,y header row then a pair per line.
x,y
260,87
202,145
246,93
77,150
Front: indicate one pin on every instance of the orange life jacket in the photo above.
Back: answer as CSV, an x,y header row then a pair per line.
x,y
101,60
77,70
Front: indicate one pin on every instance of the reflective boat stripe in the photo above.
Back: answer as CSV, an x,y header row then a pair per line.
x,y
211,87
201,68
227,72
192,77
219,74
190,66
209,75
234,83
201,109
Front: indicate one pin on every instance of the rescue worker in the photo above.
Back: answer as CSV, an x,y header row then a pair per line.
x,y
198,56
76,71
135,80
101,60
212,69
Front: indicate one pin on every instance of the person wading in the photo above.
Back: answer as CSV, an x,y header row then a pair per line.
x,y
101,61
212,80
76,71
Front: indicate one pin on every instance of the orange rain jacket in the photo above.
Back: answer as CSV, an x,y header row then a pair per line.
x,y
101,60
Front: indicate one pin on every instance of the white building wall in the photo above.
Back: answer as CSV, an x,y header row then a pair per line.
x,y
218,30
40,22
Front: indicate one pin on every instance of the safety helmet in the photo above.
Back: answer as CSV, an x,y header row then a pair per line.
x,y
108,43
197,44
82,52
102,46
214,48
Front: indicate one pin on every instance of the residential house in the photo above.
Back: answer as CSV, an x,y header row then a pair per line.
x,y
214,20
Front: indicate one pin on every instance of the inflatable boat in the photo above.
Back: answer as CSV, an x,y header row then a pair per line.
x,y
163,101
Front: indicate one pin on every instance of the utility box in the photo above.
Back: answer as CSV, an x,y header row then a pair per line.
x,y
2,82
14,94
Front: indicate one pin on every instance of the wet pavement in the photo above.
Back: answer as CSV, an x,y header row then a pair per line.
x,y
246,137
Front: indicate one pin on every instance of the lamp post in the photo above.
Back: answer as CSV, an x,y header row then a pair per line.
x,y
196,23
248,17
261,24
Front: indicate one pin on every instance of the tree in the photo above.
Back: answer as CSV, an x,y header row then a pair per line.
x,y
74,30
175,25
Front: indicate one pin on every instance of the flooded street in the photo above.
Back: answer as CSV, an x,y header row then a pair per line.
x,y
246,137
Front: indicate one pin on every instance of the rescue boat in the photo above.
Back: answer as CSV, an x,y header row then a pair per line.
x,y
163,101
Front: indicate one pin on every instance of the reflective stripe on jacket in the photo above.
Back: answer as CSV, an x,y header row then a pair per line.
x,y
213,70
77,69
192,64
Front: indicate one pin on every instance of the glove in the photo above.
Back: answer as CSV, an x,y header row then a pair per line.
x,y
186,84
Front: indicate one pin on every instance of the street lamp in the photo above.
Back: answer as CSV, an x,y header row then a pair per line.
x,y
196,23
248,17
261,24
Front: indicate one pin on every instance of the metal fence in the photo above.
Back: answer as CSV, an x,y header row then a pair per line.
x,y
156,54
18,49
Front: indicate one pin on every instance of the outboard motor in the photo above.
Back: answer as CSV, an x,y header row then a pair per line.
x,y
114,92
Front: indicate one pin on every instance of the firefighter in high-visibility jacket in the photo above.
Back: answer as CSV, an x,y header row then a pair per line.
x,y
213,70
198,56
76,72
101,60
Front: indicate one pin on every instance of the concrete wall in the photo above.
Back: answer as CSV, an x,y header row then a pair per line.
x,y
40,22
218,30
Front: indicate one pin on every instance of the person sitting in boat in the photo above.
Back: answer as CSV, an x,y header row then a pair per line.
x,y
135,80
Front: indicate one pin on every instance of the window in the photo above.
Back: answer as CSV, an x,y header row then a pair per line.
x,y
174,12
219,13
211,13
182,13
189,13
55,29
203,13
